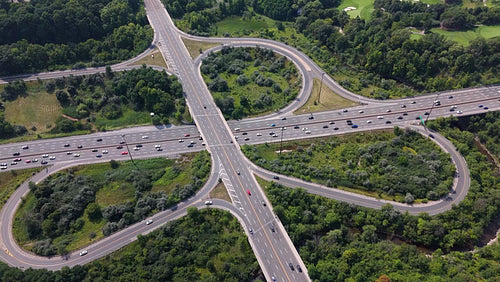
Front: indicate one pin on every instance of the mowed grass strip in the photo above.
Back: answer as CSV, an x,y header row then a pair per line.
x,y
154,58
195,46
10,181
329,100
220,192
364,8
465,37
237,25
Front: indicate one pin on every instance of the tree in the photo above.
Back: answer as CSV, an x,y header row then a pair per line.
x,y
93,212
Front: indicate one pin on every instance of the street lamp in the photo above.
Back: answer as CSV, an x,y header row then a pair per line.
x,y
128,150
281,140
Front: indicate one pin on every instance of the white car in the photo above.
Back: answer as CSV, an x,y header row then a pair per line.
x,y
157,146
82,253
459,112
237,129
259,134
76,155
136,148
45,156
104,151
380,117
52,158
149,222
180,140
308,131
145,137
368,121
361,111
208,203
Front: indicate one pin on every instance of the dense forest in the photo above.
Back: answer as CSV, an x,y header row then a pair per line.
x,y
207,245
65,202
381,51
47,35
403,163
249,81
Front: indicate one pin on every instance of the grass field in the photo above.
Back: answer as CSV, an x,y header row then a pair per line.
x,y
155,60
128,118
464,37
194,46
9,181
364,8
329,100
236,26
220,192
38,108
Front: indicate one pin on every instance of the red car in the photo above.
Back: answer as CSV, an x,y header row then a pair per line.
x,y
248,192
28,161
186,135
124,153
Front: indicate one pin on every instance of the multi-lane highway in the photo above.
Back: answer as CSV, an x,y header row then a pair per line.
x,y
268,238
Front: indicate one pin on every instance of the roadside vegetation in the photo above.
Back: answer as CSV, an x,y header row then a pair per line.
x,y
80,205
376,55
206,245
51,35
401,165
250,81
11,180
323,98
91,102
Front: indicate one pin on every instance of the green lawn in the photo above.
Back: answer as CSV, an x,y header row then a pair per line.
x,y
128,118
464,37
364,8
238,26
195,46
329,100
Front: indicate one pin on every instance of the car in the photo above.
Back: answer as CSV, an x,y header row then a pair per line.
x,y
480,106
187,135
145,137
119,147
250,230
69,153
139,145
45,156
136,148
159,149
276,177
17,159
200,138
25,147
122,142
275,135
263,203
13,163
190,145
248,192
244,133
204,106
67,145
335,128
450,97
299,268
124,153
426,113
238,171
271,133
104,151
76,155
400,117
52,158
380,117
368,121
16,154
246,139
305,128
80,146
259,134
485,108
413,102
283,118
3,167
3,164
44,162
345,110
203,144
149,222
291,266
296,127
271,226
354,126
310,117
273,124
28,161
208,203
35,160
192,141
405,114
431,136
388,110
156,146
237,129
99,140
82,253
403,106
308,131
361,111
349,122
98,156
331,122
388,122
273,279
459,112
94,150
180,140
325,126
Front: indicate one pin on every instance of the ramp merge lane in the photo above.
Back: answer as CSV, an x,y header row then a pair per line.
x,y
272,246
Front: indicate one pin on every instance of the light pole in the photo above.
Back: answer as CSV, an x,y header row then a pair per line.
x,y
281,140
320,87
128,150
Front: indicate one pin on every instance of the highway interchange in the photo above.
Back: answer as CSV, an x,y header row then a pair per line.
x,y
272,246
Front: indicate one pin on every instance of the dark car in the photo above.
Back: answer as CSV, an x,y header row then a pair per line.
x,y
291,266
405,113
349,122
296,127
99,140
388,122
94,150
139,145
311,117
299,268
276,177
431,136
66,145
272,227
16,154
400,117
336,128
119,147
354,126
325,126
80,146
122,142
